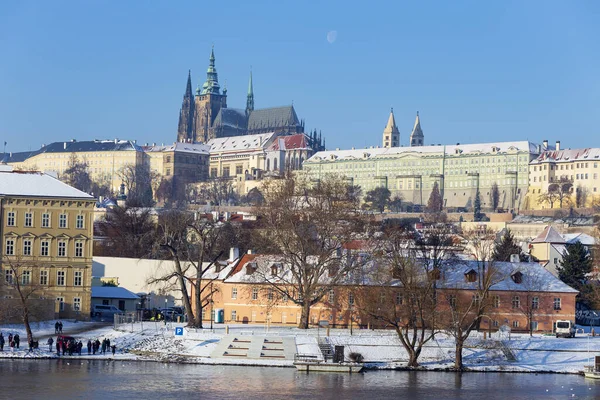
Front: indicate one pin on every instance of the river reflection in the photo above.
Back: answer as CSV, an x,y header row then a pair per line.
x,y
83,379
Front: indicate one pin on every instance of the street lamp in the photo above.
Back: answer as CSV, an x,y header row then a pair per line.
x,y
211,313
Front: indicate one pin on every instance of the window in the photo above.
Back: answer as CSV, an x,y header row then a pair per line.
x,y
10,247
79,249
168,171
254,293
60,278
76,303
27,247
62,248
331,298
270,294
452,300
213,172
10,218
535,303
516,302
78,278
79,222
234,293
515,324
555,261
557,303
238,169
43,277
61,303
62,221
495,324
233,315
168,159
45,248
351,299
476,299
496,301
45,220
226,172
28,220
8,276
26,278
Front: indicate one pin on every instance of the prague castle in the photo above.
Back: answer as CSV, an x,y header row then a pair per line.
x,y
205,115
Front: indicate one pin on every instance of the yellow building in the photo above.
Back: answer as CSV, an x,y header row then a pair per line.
x,y
46,230
581,167
185,160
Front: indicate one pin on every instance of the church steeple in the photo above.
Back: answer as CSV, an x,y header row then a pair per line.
x,y
250,96
185,130
211,86
391,134
416,137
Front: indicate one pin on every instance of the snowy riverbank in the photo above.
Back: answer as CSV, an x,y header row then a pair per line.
x,y
151,341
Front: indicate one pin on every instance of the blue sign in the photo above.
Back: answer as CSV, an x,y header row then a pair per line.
x,y
178,331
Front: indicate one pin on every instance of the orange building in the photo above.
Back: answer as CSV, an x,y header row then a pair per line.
x,y
522,293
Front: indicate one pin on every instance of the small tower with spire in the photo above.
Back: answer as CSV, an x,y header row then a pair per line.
x,y
250,96
416,137
391,134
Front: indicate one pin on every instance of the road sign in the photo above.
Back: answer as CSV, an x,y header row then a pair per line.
x,y
179,331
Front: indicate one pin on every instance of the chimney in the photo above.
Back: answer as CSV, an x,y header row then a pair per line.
x,y
65,145
250,251
234,254
557,145
545,142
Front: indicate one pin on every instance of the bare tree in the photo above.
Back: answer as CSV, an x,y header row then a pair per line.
x,y
469,302
125,232
549,197
218,191
77,174
404,295
194,244
581,196
562,191
20,285
308,225
138,181
495,196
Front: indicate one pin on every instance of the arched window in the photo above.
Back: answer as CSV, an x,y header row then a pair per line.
x,y
275,167
268,164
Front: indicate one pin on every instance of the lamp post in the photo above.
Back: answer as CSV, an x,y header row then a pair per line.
x,y
211,307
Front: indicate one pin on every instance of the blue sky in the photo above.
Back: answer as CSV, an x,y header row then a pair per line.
x,y
476,71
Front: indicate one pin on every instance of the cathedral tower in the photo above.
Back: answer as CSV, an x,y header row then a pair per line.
x,y
391,134
250,97
185,130
416,137
209,101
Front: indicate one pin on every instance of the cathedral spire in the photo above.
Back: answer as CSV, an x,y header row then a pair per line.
x,y
391,134
416,137
211,86
185,129
188,88
250,96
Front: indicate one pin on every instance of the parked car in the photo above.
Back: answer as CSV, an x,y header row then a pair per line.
x,y
565,329
104,311
171,314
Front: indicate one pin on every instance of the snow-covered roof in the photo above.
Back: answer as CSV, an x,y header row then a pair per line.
x,y
112,292
568,155
237,143
448,150
549,235
195,148
583,238
38,184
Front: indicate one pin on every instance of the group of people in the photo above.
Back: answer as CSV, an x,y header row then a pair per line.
x,y
13,341
71,346
58,327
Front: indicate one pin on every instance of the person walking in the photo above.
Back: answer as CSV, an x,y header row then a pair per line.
x,y
17,340
60,326
56,327
113,348
1,342
89,346
50,342
79,347
104,346
58,346
10,339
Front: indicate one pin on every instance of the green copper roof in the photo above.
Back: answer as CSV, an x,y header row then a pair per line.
x,y
211,86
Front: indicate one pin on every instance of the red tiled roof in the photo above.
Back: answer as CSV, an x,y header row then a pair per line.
x,y
291,142
246,258
356,245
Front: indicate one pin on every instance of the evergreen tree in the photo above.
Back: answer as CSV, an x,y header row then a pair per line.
x,y
506,247
576,263
435,202
378,198
477,216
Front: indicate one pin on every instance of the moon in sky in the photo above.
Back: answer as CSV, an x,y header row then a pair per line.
x,y
331,36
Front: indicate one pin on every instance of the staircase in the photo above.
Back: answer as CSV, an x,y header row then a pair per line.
x,y
510,356
326,349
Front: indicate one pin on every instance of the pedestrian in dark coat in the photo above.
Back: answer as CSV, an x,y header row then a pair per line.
x,y
89,346
113,348
1,342
60,326
107,343
56,327
103,346
79,347
50,342
58,346
17,340
10,338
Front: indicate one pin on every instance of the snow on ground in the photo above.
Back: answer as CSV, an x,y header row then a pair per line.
x,y
157,342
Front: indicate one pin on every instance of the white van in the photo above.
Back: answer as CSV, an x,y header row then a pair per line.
x,y
99,310
565,329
